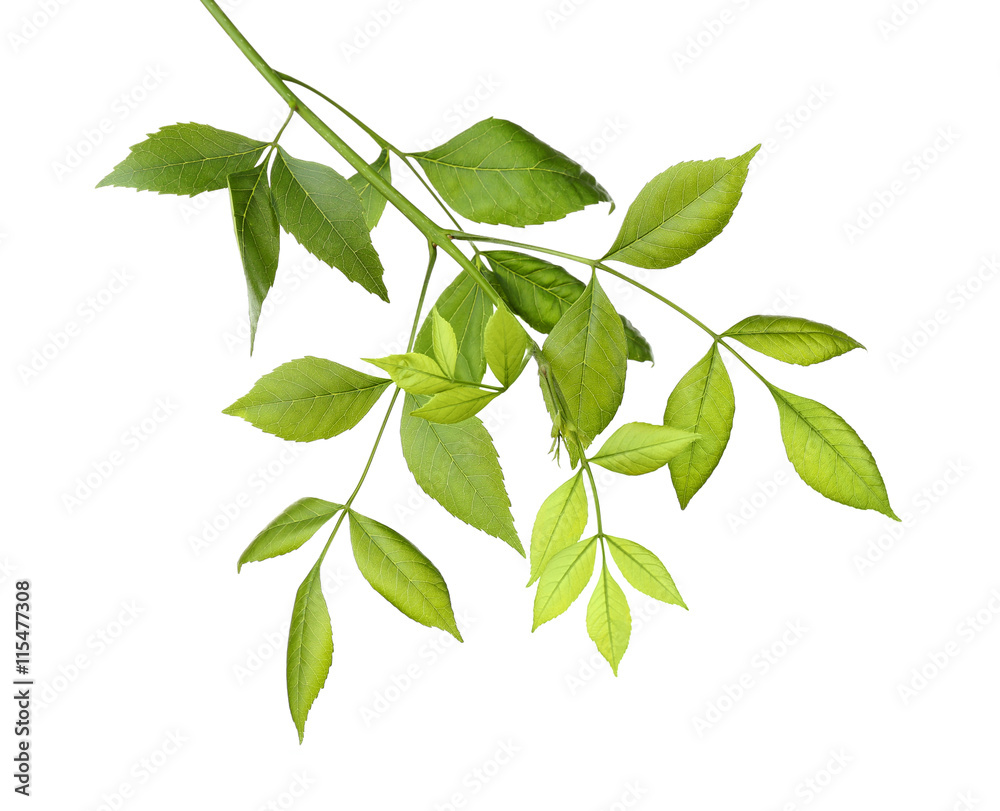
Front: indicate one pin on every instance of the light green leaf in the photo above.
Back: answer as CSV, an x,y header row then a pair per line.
x,y
828,455
402,574
644,571
541,292
560,523
464,304
414,373
498,173
455,405
257,235
372,202
185,159
586,352
310,648
309,398
286,533
792,340
702,403
639,447
323,212
457,466
563,579
680,211
506,344
609,621
444,342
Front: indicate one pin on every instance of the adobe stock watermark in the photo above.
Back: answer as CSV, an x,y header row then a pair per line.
x,y
130,441
955,300
739,518
809,789
98,643
429,654
297,787
458,114
970,628
477,779
559,13
32,24
229,511
630,797
790,124
711,30
762,662
57,341
922,502
913,170
142,771
898,17
370,29
588,153
90,138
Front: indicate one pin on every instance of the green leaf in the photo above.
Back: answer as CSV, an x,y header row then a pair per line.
x,y
464,304
541,293
310,648
402,574
609,621
457,466
309,398
498,173
323,212
639,447
679,211
444,342
560,522
372,202
455,405
702,403
644,571
586,352
506,344
185,159
792,340
286,533
257,235
563,579
828,455
414,373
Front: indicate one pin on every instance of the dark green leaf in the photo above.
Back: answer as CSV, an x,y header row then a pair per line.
x,y
679,211
792,340
371,201
402,574
323,212
185,159
286,533
309,398
310,648
498,173
256,224
702,403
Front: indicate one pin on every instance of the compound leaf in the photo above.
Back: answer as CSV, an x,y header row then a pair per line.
x,y
609,621
257,234
286,533
702,403
644,571
563,579
310,648
457,466
401,573
792,340
587,354
828,454
560,522
185,159
680,211
372,202
639,447
309,398
499,173
318,207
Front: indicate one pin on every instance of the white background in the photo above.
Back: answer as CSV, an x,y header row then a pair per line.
x,y
145,635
